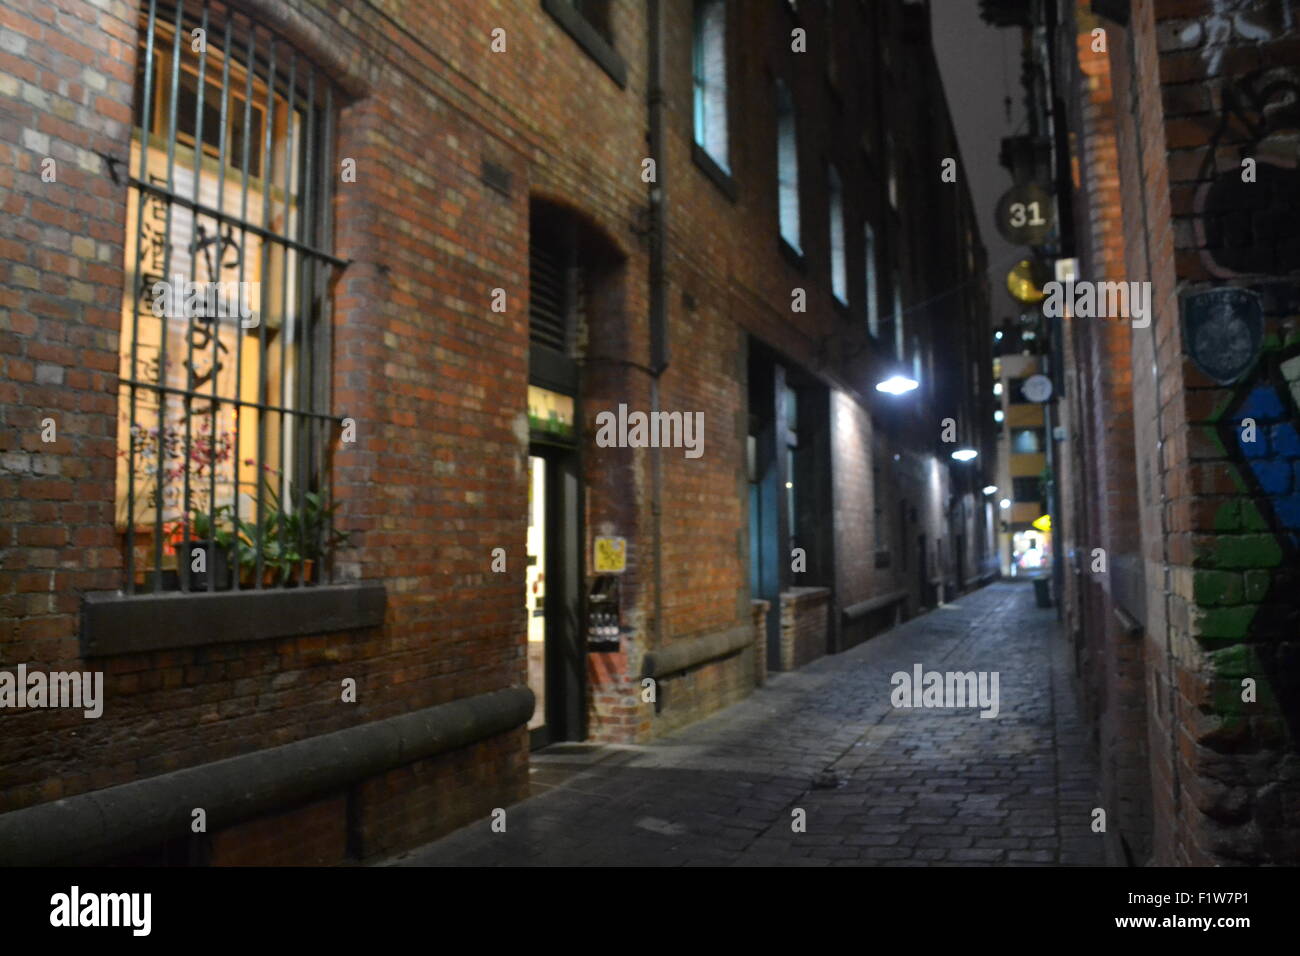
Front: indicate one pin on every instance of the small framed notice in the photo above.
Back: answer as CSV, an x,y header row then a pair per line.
x,y
611,556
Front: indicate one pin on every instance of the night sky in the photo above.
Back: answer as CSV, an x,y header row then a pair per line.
x,y
980,65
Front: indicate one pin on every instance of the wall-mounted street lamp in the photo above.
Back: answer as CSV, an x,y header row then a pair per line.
x,y
965,454
897,384
1004,504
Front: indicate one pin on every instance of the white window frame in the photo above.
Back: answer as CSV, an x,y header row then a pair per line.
x,y
787,168
709,80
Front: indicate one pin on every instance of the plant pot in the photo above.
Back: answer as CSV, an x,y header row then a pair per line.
x,y
217,562
248,575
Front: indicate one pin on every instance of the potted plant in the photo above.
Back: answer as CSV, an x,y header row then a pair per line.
x,y
320,535
272,551
212,533
294,541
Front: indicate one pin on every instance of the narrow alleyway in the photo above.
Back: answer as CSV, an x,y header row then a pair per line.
x,y
879,785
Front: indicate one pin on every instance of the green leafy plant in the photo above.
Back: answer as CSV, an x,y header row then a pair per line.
x,y
290,538
217,526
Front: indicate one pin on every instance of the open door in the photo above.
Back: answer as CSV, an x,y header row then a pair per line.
x,y
553,596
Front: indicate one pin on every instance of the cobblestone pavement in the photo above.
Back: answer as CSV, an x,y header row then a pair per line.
x,y
879,785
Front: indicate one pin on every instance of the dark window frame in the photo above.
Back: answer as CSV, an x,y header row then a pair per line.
x,y
206,612
273,71
583,33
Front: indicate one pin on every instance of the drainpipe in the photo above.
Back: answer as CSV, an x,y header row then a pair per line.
x,y
658,293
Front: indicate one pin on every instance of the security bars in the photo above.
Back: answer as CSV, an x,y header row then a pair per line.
x,y
224,424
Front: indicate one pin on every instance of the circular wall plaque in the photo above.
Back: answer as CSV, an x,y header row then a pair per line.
x,y
1037,388
1223,331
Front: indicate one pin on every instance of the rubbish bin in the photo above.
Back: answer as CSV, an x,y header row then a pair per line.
x,y
1043,590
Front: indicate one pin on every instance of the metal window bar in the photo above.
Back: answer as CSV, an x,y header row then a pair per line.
x,y
299,346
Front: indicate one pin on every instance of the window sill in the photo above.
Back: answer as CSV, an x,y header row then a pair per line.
x,y
719,176
116,623
585,35
792,255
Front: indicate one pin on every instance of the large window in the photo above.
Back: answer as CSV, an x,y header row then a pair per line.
x,y
891,168
710,80
787,168
839,264
1027,441
873,292
898,316
1027,490
224,430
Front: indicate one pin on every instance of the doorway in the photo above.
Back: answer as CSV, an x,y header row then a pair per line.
x,y
556,659
923,571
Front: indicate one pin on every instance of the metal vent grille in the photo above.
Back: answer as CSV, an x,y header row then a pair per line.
x,y
547,308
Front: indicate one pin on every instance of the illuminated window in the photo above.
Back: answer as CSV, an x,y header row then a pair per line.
x,y
892,171
839,264
898,316
1027,441
710,79
223,408
787,168
873,294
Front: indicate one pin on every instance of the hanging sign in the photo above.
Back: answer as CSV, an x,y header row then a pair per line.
x,y
1024,214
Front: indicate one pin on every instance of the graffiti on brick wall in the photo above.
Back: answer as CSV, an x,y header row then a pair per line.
x,y
1232,21
1249,587
1247,227
1245,224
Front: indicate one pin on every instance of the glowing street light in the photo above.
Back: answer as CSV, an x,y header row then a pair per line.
x,y
989,489
965,454
897,385
1004,504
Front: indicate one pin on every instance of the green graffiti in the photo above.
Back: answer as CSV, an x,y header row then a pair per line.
x,y
1228,516
1217,587
1251,519
1241,551
1257,585
1226,622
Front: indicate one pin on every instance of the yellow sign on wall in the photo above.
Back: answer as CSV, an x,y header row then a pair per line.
x,y
611,555
1043,524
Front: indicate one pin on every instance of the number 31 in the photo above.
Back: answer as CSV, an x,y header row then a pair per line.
x,y
1018,215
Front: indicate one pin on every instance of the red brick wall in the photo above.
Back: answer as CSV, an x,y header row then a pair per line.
x,y
435,380
1219,792
66,73
1101,485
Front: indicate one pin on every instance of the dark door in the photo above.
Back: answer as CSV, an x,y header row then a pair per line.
x,y
923,571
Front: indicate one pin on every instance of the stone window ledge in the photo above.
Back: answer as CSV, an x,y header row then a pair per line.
x,y
715,173
116,623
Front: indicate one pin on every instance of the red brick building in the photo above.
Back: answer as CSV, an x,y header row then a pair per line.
x,y
1180,504
294,533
